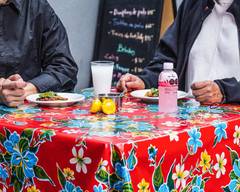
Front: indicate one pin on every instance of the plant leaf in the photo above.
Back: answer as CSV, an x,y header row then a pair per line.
x,y
7,156
215,142
42,175
226,189
2,139
61,177
233,154
233,175
102,176
34,149
19,173
127,187
132,160
23,144
170,182
157,177
17,185
7,132
115,155
28,133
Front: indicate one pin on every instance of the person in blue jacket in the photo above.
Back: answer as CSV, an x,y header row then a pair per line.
x,y
203,44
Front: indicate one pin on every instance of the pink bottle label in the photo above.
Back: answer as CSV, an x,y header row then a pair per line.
x,y
168,87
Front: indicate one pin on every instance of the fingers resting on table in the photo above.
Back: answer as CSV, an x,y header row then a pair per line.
x,y
129,82
207,92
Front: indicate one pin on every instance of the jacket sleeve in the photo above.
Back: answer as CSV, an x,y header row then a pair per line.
x,y
166,52
230,88
59,71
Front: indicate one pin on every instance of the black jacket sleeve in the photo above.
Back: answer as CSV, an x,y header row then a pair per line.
x,y
59,71
230,88
166,52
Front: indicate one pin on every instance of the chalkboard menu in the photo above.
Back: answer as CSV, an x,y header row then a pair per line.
x,y
128,33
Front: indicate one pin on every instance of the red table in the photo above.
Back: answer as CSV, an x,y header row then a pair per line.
x,y
70,150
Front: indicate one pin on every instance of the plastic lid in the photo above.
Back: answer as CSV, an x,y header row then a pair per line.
x,y
168,65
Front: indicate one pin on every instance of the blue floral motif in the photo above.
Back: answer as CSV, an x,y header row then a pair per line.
x,y
122,172
220,130
98,188
197,186
70,187
3,173
163,188
152,152
24,158
194,140
11,143
235,183
27,160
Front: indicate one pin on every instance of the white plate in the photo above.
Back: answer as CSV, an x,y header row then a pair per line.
x,y
140,94
72,99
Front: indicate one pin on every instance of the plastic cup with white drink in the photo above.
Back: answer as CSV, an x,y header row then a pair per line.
x,y
102,72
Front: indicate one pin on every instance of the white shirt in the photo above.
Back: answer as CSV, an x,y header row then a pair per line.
x,y
215,52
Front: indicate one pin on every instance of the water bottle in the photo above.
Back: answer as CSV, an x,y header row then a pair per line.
x,y
167,87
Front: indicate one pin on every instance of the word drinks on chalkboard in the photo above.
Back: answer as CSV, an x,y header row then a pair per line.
x,y
128,33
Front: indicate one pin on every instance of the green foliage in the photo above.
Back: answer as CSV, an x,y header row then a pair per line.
x,y
233,154
127,187
42,175
28,133
132,160
19,173
102,176
170,182
61,177
2,139
157,177
23,145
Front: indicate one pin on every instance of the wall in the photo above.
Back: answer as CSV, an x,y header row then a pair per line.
x,y
80,18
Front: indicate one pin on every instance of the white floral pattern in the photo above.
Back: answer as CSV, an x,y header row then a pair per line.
x,y
173,135
236,136
79,160
220,165
180,176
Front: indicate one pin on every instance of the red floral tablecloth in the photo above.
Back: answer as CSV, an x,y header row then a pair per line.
x,y
70,150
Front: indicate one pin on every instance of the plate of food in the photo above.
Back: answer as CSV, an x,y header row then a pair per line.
x,y
151,95
53,99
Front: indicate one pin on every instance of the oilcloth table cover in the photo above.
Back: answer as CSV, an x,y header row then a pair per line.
x,y
70,150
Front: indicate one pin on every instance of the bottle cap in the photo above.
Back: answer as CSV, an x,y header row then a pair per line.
x,y
168,65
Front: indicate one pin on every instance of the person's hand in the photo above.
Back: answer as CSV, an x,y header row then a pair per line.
x,y
129,82
12,91
207,92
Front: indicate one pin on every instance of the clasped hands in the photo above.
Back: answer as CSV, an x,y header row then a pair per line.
x,y
205,92
14,90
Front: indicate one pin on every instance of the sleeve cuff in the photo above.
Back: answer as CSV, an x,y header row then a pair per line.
x,y
45,82
222,91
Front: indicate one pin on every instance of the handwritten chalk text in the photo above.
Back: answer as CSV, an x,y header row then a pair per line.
x,y
130,35
133,12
